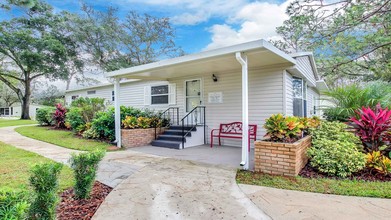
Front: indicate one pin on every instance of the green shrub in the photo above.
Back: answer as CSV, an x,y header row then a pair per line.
x,y
335,151
44,116
44,180
75,118
103,125
14,204
85,166
83,111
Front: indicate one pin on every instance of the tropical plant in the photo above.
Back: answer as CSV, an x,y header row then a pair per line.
x,y
334,150
85,166
294,128
281,128
14,204
44,180
379,162
44,116
59,116
103,125
349,98
373,127
144,122
130,122
275,127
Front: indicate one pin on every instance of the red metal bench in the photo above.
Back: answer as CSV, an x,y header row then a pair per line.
x,y
233,130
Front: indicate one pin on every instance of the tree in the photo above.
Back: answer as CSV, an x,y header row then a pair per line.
x,y
113,44
33,47
7,96
351,39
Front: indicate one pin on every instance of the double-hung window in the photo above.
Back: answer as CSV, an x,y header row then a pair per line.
x,y
299,97
159,95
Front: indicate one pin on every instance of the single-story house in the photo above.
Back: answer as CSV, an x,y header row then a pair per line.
x,y
15,110
242,83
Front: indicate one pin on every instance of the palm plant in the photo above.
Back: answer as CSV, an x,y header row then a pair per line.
x,y
346,100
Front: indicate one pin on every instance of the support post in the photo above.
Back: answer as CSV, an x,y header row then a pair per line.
x,y
117,113
242,59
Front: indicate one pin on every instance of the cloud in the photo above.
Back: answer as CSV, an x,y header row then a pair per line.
x,y
256,20
191,12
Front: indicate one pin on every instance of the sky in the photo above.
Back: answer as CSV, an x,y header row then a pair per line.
x,y
199,24
202,24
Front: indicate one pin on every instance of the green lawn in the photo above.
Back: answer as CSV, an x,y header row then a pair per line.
x,y
15,165
319,185
61,138
14,122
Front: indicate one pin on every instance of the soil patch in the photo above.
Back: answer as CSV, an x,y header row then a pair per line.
x,y
71,209
366,174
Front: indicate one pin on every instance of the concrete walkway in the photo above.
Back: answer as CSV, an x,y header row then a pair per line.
x,y
289,204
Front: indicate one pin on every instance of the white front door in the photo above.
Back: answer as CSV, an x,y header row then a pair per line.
x,y
193,95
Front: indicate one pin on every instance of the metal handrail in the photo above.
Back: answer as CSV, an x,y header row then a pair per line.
x,y
187,116
162,114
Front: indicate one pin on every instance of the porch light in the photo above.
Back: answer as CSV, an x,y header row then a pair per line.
x,y
214,77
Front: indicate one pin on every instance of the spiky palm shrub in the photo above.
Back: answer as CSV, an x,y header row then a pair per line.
x,y
346,100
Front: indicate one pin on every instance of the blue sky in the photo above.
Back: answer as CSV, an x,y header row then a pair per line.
x,y
201,24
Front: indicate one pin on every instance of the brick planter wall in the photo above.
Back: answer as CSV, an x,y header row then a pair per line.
x,y
281,158
138,137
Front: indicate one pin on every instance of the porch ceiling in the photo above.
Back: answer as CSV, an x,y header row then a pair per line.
x,y
259,54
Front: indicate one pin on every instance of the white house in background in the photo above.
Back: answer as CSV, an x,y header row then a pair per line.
x,y
15,110
246,82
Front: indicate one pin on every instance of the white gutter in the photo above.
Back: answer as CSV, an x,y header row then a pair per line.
x,y
117,113
242,59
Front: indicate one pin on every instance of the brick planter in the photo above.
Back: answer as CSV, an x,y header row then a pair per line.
x,y
138,137
281,158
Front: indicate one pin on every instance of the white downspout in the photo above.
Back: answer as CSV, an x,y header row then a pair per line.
x,y
245,148
117,112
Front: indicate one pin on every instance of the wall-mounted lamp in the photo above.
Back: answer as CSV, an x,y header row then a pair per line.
x,y
214,77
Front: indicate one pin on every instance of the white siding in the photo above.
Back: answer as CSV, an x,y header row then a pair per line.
x,y
304,66
265,99
289,93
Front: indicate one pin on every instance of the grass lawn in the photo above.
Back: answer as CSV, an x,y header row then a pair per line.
x,y
14,122
61,138
15,165
319,185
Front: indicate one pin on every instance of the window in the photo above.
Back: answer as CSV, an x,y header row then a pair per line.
x,y
299,97
74,97
92,92
112,96
159,94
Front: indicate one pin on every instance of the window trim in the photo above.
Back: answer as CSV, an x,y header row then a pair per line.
x,y
165,94
303,98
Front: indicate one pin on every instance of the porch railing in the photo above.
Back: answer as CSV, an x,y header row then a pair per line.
x,y
196,117
169,116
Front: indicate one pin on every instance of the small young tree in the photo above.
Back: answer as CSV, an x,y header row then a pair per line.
x,y
85,166
44,180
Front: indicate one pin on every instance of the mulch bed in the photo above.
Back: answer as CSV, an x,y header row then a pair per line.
x,y
366,175
73,209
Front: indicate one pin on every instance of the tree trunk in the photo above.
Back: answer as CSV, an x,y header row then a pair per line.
x,y
26,101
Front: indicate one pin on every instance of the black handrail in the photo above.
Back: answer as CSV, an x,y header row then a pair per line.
x,y
171,115
195,120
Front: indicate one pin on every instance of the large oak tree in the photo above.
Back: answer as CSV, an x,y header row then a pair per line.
x,y
33,46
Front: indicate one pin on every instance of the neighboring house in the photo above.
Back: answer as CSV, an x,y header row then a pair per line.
x,y
246,82
15,110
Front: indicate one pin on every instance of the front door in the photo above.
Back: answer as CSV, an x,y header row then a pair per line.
x,y
193,94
